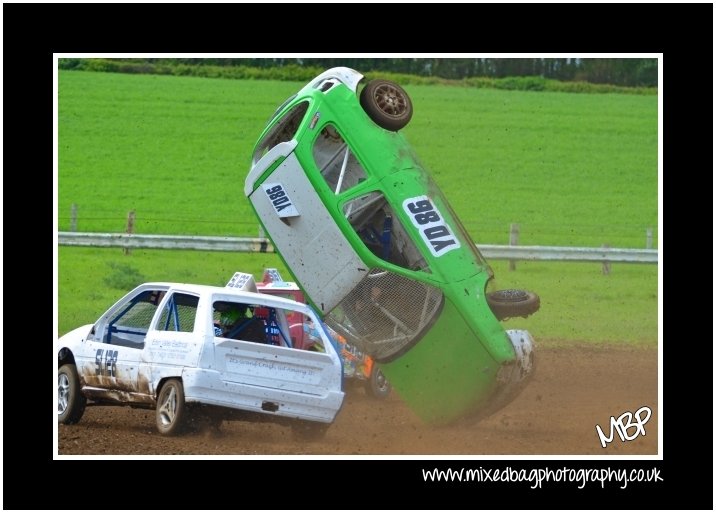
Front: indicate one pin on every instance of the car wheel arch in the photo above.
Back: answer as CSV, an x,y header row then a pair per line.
x,y
65,356
162,381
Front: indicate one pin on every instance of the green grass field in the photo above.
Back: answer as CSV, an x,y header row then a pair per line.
x,y
572,169
579,303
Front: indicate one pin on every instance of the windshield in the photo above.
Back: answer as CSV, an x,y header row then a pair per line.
x,y
284,130
386,314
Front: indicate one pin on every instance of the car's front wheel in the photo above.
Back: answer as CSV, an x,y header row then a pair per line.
x,y
70,401
387,104
171,408
378,385
513,303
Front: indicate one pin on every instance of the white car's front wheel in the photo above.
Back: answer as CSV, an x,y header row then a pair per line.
x,y
171,408
70,401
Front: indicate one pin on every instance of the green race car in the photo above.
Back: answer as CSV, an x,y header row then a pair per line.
x,y
379,252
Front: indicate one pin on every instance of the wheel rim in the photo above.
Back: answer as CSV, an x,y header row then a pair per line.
x,y
390,100
381,381
168,409
63,393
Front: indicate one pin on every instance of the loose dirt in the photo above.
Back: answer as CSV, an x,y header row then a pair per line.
x,y
575,388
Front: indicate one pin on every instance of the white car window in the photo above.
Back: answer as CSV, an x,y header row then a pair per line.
x,y
179,313
240,321
129,325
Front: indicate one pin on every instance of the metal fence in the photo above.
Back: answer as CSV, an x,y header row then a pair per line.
x,y
262,245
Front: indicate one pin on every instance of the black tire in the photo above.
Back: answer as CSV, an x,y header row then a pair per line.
x,y
378,385
171,408
387,104
71,403
513,303
308,431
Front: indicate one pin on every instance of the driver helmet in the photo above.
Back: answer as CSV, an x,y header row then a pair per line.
x,y
230,317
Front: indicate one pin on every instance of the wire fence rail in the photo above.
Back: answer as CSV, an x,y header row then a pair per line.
x,y
263,245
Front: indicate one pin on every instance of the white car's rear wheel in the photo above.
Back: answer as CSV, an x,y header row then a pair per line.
x,y
171,408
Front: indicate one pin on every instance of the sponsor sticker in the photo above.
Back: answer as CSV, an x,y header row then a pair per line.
x,y
239,280
282,204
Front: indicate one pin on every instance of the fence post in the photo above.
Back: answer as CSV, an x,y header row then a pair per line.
x,y
606,264
73,217
514,241
649,238
130,228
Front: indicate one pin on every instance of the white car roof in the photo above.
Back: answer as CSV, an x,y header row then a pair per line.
x,y
229,293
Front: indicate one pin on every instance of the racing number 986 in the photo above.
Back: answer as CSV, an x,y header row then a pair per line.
x,y
277,196
433,229
423,212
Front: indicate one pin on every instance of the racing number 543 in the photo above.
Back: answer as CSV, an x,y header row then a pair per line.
x,y
106,366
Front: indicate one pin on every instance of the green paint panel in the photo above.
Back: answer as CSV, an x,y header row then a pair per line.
x,y
448,373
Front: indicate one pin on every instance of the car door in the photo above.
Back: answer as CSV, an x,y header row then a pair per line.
x,y
303,231
173,341
271,376
109,362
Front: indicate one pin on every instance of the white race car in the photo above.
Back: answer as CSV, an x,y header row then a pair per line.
x,y
195,352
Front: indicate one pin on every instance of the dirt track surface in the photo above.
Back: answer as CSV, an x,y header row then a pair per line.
x,y
573,390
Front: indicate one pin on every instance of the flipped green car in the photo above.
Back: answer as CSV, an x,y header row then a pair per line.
x,y
379,252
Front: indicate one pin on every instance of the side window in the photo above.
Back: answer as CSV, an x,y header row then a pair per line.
x,y
255,323
382,232
283,131
240,321
337,163
130,324
291,316
179,313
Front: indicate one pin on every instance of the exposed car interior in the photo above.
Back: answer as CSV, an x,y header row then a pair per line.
x,y
252,323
